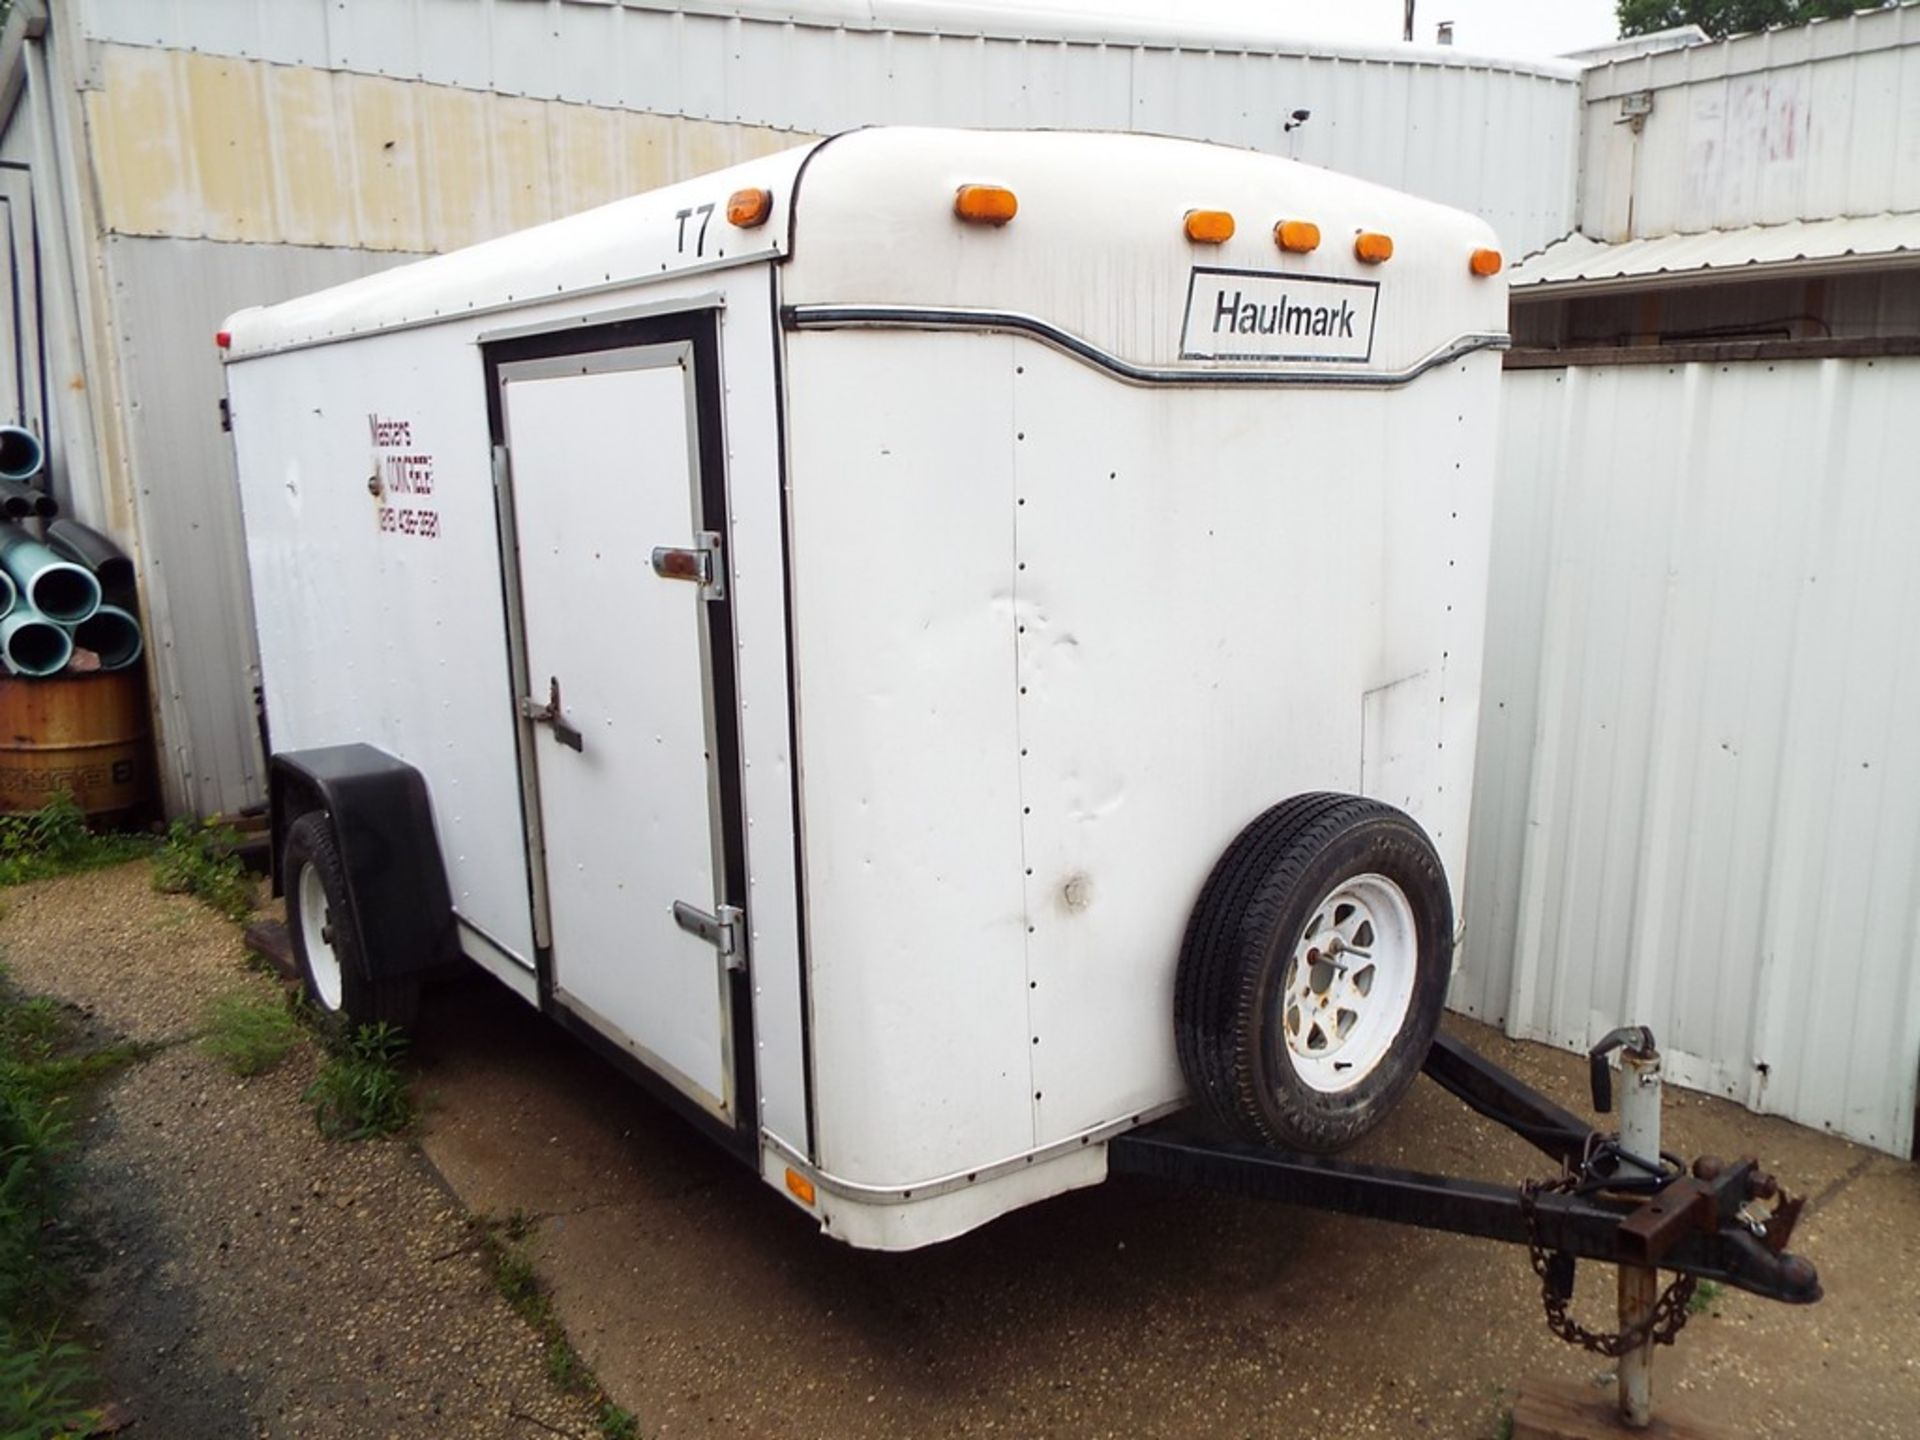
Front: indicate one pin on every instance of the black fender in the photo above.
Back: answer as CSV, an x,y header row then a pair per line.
x,y
396,880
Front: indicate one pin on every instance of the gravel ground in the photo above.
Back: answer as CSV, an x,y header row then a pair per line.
x,y
252,1278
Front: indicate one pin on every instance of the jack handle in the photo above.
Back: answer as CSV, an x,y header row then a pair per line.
x,y
1637,1038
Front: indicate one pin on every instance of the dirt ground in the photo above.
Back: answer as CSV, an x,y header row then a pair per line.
x,y
259,1281
252,1279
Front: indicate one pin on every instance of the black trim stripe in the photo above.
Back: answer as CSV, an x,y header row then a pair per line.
x,y
909,317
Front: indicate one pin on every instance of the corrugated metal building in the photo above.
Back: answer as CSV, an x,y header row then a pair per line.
x,y
1698,803
185,159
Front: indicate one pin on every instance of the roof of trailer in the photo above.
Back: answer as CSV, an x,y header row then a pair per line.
x,y
875,223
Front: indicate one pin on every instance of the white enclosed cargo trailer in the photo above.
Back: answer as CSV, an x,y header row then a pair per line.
x,y
815,630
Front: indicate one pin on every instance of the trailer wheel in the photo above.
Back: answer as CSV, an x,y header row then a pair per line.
x,y
1313,971
326,942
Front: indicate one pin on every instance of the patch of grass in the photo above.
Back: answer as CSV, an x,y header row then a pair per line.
x,y
1503,1427
247,1032
40,1381
55,840
202,860
360,1092
509,1262
1705,1293
42,1066
616,1423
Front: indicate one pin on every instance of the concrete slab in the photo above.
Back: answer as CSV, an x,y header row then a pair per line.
x,y
710,1306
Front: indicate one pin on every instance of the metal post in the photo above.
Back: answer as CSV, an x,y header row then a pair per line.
x,y
1639,1284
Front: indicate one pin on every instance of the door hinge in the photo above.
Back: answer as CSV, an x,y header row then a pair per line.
x,y
226,413
701,563
725,931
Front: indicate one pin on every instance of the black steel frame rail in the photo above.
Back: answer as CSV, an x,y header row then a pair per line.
x,y
1586,1226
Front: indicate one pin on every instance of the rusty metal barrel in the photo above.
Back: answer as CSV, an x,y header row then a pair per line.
x,y
86,734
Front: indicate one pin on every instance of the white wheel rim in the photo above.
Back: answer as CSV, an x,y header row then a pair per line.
x,y
316,939
1348,983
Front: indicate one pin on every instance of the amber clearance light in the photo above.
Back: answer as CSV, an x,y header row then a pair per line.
x,y
1297,237
1373,247
1209,227
748,208
985,204
1484,262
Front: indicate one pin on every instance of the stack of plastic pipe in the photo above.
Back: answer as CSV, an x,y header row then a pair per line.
x,y
74,589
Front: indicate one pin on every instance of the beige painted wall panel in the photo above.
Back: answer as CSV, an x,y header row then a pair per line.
x,y
522,179
203,147
142,149
309,165
647,141
459,195
586,158
226,127
385,158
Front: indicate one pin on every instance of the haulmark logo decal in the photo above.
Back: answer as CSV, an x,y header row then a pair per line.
x,y
1258,315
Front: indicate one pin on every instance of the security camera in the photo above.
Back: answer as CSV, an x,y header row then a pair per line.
x,y
1300,117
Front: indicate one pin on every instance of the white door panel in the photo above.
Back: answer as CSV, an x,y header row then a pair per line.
x,y
604,465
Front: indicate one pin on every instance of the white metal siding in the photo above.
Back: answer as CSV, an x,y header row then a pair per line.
x,y
1700,744
1496,138
170,296
1796,124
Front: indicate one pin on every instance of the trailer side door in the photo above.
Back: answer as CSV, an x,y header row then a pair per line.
x,y
612,526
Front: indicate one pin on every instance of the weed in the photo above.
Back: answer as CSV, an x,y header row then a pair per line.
x,y
55,840
509,1264
1503,1427
616,1423
250,1033
202,860
565,1368
360,1093
1705,1293
41,1067
39,1378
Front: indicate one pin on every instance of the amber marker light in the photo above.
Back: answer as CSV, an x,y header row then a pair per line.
x,y
1297,237
985,204
748,208
801,1187
1209,227
1372,247
1484,262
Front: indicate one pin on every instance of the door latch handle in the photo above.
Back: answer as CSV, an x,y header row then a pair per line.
x,y
699,563
548,714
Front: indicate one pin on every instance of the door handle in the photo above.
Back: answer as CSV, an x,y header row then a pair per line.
x,y
548,714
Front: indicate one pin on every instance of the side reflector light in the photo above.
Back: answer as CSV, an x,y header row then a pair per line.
x,y
1209,227
801,1187
748,208
1484,262
1372,247
985,204
1299,237
222,339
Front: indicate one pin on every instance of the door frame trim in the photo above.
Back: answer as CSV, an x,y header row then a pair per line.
x,y
692,336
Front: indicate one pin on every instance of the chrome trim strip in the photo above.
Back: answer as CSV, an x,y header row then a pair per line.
x,y
959,1179
910,317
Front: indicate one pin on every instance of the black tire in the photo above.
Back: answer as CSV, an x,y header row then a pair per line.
x,y
357,998
1229,1024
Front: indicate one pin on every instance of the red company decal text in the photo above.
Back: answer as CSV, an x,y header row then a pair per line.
x,y
405,474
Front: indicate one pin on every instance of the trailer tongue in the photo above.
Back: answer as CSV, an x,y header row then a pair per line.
x,y
1615,1201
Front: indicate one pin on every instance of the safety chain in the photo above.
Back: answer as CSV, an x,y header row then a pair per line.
x,y
1662,1324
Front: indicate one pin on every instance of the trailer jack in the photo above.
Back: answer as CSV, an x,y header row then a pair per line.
x,y
1617,1199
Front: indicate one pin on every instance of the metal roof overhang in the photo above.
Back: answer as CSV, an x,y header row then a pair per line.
x,y
1578,265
